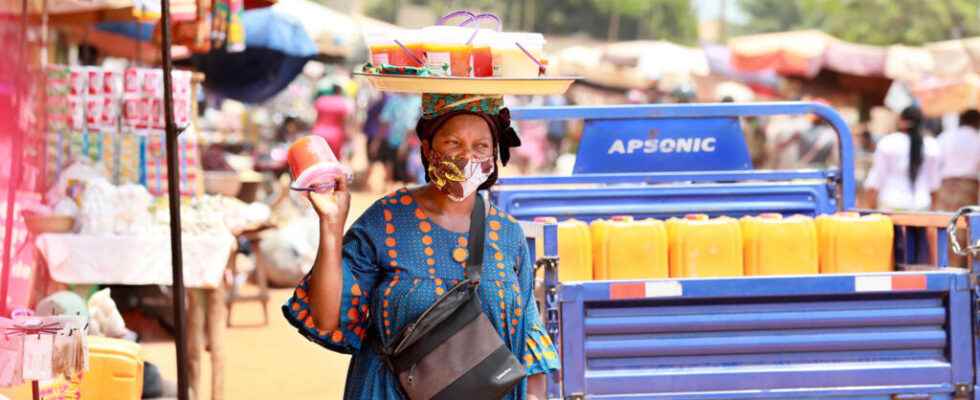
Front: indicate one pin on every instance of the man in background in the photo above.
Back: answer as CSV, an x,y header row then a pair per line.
x,y
960,167
960,160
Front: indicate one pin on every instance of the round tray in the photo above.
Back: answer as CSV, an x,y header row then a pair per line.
x,y
454,85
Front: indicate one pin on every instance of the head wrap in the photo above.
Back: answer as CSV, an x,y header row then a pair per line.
x,y
437,109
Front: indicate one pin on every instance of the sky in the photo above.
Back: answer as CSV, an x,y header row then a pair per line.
x,y
711,9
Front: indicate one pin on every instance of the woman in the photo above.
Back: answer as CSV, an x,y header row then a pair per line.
x,y
410,247
904,174
332,110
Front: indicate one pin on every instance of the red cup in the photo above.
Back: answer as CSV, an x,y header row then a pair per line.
x,y
313,165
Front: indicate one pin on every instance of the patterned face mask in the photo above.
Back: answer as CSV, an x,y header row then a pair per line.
x,y
458,177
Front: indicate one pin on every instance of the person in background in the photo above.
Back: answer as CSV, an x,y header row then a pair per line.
x,y
398,118
905,169
332,110
372,126
960,159
532,154
818,145
863,156
556,127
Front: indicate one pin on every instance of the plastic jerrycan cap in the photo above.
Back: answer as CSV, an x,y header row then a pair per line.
x,y
848,214
696,217
770,216
546,220
621,218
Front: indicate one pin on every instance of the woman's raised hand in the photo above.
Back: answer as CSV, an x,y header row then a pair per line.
x,y
332,207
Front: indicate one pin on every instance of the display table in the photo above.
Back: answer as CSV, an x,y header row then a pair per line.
x,y
145,260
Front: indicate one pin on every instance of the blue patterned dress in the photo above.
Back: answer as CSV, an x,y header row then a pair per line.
x,y
396,263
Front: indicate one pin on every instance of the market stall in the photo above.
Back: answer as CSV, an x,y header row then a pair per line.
x,y
818,65
634,65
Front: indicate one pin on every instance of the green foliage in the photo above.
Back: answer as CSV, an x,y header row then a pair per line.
x,y
879,22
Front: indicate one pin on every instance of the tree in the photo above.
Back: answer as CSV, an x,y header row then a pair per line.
x,y
672,20
880,22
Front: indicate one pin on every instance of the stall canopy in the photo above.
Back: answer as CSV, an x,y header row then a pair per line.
x,y
81,12
943,76
635,64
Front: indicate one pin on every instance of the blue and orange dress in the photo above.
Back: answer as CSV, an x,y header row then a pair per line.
x,y
396,263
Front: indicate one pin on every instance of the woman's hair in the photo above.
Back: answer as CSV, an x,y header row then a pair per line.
x,y
913,116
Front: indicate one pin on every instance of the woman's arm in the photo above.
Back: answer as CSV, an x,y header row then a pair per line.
x,y
537,387
326,279
871,198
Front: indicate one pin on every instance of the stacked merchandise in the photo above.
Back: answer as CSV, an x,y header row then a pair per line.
x,y
117,119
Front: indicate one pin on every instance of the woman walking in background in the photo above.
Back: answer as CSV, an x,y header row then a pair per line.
x,y
332,110
905,171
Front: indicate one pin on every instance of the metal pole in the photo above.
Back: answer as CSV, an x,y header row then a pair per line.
x,y
173,194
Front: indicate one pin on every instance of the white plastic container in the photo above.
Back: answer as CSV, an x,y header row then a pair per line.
x,y
509,61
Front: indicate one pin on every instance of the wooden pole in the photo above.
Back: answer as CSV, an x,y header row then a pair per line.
x,y
173,194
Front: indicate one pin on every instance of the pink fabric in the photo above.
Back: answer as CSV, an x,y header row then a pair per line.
x,y
332,112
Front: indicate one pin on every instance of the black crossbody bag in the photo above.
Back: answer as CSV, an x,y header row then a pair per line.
x,y
452,351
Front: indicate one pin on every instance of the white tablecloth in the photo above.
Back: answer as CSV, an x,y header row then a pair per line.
x,y
134,260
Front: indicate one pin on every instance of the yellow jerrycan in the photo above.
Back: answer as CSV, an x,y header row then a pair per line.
x,y
115,370
852,243
624,248
773,245
574,251
701,247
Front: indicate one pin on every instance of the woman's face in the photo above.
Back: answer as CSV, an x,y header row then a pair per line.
x,y
464,136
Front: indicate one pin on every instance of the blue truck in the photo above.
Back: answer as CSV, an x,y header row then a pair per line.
x,y
909,334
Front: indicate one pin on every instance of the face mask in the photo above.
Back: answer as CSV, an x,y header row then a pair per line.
x,y
458,177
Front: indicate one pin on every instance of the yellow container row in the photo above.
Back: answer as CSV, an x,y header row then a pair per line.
x,y
697,246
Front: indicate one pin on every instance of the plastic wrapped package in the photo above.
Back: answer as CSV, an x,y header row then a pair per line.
x,y
97,210
289,251
66,206
132,205
75,174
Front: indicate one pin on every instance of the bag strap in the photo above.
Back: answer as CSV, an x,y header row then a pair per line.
x,y
474,263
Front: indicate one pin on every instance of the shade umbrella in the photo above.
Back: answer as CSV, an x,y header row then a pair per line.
x,y
277,47
637,64
855,59
335,34
765,82
797,53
